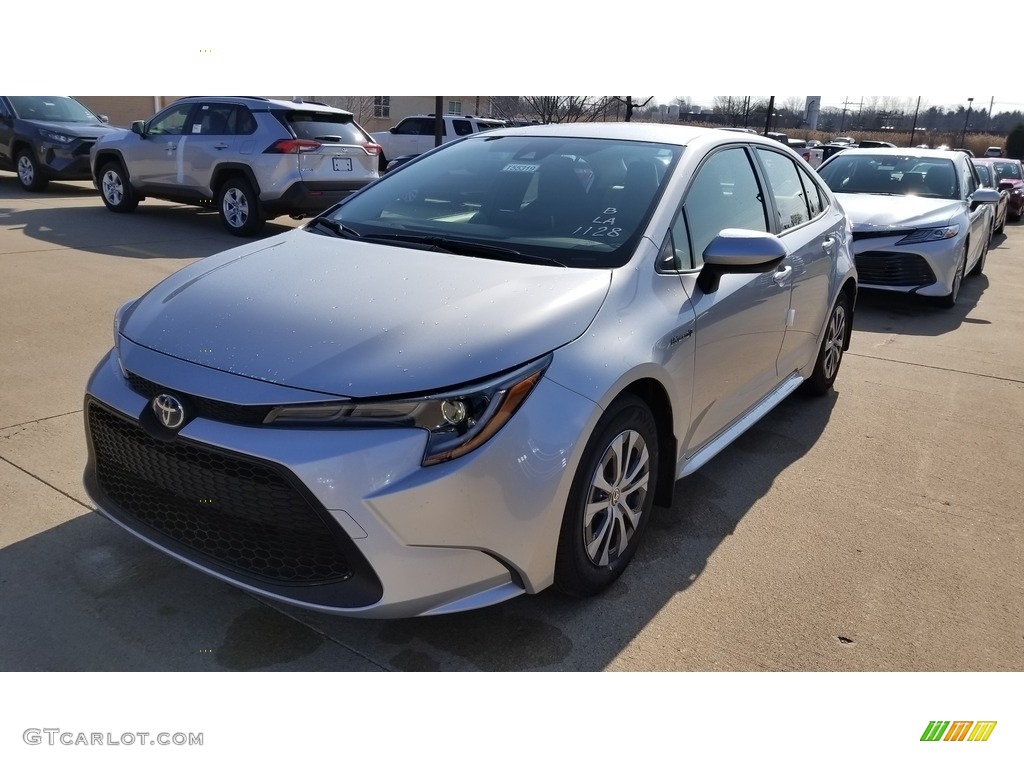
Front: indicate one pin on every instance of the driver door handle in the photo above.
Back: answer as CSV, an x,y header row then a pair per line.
x,y
782,274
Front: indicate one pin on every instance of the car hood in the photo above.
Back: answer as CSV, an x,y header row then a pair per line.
x,y
87,130
360,319
879,212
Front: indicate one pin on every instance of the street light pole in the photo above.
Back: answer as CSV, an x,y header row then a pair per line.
x,y
963,136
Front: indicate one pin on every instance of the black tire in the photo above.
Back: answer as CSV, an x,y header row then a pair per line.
x,y
1002,225
30,175
239,208
949,300
116,191
979,265
594,549
830,352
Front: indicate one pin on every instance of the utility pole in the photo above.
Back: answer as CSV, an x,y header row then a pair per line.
x,y
847,103
963,136
768,117
914,126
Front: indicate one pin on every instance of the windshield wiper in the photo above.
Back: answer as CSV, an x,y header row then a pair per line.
x,y
467,248
339,229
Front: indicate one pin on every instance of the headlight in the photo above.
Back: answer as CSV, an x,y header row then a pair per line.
x,y
60,138
457,421
928,235
119,318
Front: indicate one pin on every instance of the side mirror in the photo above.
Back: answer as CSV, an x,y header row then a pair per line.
x,y
393,130
984,195
1007,185
103,118
139,127
739,251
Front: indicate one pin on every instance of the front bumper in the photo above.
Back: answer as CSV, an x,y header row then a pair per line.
x,y
927,269
381,535
65,162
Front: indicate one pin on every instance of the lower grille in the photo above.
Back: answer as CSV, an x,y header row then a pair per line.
x,y
246,515
894,269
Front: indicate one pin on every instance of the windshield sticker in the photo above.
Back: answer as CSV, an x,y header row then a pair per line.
x,y
520,168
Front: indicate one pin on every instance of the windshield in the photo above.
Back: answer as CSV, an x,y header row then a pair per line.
x,y
892,175
577,202
1007,170
58,109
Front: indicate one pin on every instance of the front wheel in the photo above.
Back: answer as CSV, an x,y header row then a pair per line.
x,y
115,190
30,175
610,500
949,300
239,208
830,353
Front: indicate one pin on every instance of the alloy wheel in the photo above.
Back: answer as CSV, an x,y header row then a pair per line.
x,y
113,188
236,208
835,336
615,501
26,171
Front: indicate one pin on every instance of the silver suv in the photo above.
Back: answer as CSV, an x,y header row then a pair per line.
x,y
251,158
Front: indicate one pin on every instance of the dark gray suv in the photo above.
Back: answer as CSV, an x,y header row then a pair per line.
x,y
44,138
252,158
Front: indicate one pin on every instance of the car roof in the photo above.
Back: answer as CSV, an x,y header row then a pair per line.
x,y
262,103
662,133
945,154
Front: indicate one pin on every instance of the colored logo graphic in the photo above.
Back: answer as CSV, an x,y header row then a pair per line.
x,y
958,730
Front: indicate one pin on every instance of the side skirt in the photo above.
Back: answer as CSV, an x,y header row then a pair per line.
x,y
687,466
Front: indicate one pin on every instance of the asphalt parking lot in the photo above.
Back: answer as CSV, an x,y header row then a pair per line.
x,y
875,529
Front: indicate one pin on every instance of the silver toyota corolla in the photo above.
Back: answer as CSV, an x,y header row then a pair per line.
x,y
475,377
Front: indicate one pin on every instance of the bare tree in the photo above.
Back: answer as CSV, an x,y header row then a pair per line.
x,y
567,109
507,107
631,105
360,106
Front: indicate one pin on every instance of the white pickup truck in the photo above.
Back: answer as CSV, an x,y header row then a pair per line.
x,y
414,135
813,155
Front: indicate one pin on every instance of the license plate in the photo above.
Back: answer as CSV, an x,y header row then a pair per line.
x,y
342,163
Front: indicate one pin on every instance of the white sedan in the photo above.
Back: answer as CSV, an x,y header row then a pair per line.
x,y
921,219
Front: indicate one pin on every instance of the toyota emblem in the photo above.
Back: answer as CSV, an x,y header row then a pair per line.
x,y
169,411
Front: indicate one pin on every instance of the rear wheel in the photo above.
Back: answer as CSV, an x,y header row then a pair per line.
x,y
30,175
239,208
115,190
610,500
830,353
979,266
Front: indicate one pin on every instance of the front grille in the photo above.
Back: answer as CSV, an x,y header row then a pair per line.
x,y
874,233
893,269
246,515
204,407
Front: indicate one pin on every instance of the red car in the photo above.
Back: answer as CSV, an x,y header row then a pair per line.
x,y
1010,175
987,174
